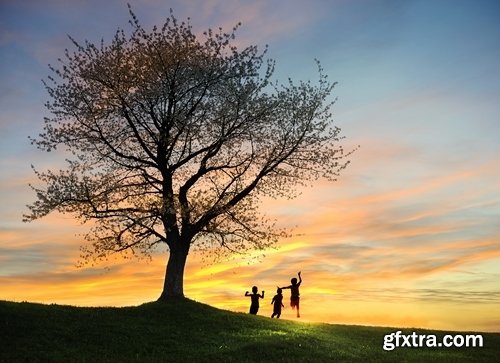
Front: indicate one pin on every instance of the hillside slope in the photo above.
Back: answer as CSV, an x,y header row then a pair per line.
x,y
187,331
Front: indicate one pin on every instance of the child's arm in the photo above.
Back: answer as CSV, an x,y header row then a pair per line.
x,y
262,294
247,294
286,287
300,279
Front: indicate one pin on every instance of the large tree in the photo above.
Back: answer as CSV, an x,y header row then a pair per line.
x,y
173,140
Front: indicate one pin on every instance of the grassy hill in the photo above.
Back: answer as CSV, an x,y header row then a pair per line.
x,y
187,331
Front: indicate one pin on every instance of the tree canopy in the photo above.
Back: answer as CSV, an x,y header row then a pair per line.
x,y
174,138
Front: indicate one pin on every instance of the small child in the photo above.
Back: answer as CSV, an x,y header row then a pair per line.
x,y
295,295
254,306
278,303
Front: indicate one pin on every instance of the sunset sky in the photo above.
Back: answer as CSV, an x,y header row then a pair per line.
x,y
408,236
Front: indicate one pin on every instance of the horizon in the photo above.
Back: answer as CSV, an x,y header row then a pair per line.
x,y
408,235
289,319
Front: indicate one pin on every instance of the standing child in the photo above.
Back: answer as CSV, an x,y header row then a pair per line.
x,y
295,295
278,303
254,306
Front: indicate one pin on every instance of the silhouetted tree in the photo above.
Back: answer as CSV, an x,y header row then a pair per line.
x,y
174,139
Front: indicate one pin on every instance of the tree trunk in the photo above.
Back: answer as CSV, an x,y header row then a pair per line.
x,y
173,286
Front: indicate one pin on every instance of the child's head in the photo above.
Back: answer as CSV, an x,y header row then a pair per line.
x,y
294,281
254,289
278,290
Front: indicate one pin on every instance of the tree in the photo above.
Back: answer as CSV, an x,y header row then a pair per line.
x,y
174,140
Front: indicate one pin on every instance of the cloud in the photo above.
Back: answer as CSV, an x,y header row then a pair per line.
x,y
260,18
429,295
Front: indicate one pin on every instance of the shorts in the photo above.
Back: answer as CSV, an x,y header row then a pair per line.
x,y
294,301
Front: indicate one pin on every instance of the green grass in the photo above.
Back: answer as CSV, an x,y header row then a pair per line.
x,y
187,331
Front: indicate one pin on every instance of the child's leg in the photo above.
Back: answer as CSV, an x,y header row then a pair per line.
x,y
254,309
298,307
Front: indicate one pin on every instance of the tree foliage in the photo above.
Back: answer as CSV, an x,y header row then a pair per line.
x,y
175,137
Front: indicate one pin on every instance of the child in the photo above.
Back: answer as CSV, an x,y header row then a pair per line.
x,y
254,307
295,295
278,303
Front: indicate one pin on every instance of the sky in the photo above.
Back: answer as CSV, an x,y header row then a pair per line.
x,y
409,235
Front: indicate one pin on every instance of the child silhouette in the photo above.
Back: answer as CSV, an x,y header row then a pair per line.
x,y
278,303
254,296
295,295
